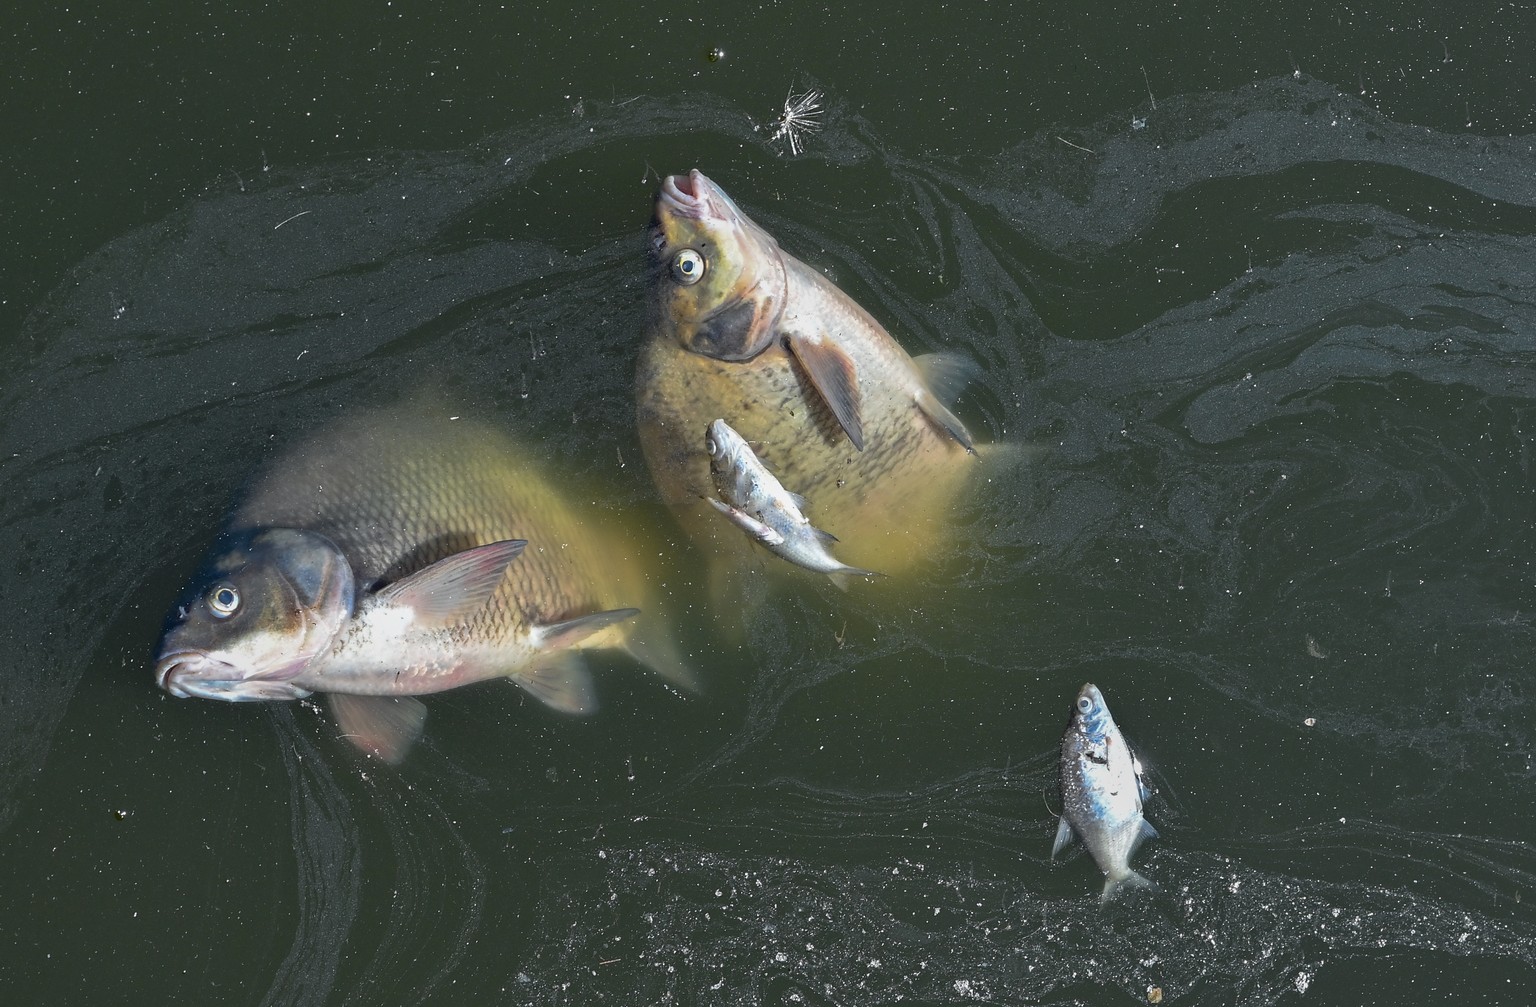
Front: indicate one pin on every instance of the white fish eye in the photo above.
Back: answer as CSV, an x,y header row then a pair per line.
x,y
1085,705
710,447
688,267
224,599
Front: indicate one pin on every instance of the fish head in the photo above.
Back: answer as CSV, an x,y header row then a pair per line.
x,y
1090,714
737,471
266,603
719,283
726,448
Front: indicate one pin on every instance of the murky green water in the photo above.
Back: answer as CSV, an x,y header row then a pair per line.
x,y
1267,347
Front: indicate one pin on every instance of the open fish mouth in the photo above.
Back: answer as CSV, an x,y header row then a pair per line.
x,y
695,197
195,675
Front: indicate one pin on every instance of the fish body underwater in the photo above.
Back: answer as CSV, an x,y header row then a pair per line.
x,y
833,405
1102,793
757,503
395,555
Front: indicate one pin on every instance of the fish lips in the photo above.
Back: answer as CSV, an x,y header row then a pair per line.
x,y
696,197
198,675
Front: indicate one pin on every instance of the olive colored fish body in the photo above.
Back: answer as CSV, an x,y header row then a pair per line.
x,y
1102,793
830,402
394,556
399,494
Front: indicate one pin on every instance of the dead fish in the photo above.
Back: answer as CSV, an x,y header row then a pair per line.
x,y
1101,793
394,556
744,331
758,504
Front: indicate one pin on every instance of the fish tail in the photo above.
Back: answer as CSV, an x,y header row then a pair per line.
x,y
653,644
844,577
1115,887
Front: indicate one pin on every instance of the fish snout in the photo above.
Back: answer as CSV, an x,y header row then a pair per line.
x,y
169,672
694,196
197,675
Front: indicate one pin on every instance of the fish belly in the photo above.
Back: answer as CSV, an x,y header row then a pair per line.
x,y
888,505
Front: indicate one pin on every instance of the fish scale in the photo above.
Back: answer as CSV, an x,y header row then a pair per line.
x,y
378,512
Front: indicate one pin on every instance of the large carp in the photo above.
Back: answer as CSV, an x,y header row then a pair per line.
x,y
744,331
394,555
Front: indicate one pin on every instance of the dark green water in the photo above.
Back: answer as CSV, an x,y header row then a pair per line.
x,y
1268,346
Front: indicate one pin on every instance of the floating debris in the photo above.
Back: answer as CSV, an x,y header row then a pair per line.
x,y
801,115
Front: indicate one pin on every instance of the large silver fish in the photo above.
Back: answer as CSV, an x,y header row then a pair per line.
x,y
759,505
836,408
394,556
1101,793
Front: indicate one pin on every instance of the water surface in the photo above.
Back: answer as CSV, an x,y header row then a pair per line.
x,y
1266,352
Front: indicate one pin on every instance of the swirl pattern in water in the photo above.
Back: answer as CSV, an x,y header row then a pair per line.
x,y
1267,367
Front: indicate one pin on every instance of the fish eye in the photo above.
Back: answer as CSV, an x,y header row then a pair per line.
x,y
688,267
710,447
223,599
1084,704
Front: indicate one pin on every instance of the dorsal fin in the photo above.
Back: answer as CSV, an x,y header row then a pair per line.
x,y
944,419
946,375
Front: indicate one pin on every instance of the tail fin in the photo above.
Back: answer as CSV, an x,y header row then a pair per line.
x,y
843,578
1130,881
653,644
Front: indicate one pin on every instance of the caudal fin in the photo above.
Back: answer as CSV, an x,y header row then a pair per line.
x,y
844,577
1118,886
652,643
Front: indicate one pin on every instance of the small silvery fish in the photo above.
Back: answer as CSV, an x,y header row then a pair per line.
x,y
759,505
835,407
393,556
1101,793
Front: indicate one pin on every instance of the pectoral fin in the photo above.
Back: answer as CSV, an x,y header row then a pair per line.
x,y
1063,837
832,375
454,588
559,680
385,726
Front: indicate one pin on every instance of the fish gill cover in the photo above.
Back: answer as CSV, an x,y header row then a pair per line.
x,y
1270,358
